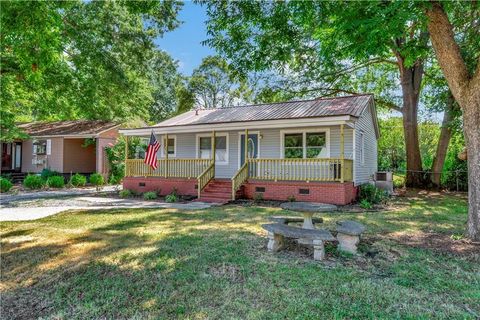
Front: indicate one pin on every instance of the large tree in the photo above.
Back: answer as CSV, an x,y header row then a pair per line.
x,y
79,59
330,45
459,60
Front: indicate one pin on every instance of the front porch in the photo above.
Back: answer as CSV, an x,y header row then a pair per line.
x,y
308,179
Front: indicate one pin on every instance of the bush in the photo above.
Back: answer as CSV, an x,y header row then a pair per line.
x,y
5,185
96,179
78,180
151,195
56,182
398,181
47,173
257,197
291,198
33,181
171,197
114,179
372,194
125,193
365,204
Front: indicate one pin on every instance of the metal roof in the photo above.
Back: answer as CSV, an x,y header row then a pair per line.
x,y
61,128
322,107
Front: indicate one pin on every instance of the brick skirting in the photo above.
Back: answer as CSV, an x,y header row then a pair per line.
x,y
325,192
162,185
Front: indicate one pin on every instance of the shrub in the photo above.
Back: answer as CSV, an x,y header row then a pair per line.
x,y
365,204
372,194
96,179
33,181
151,195
114,179
47,173
398,181
257,197
5,185
291,198
78,180
172,197
125,193
56,182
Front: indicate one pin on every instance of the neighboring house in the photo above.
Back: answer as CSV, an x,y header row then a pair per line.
x,y
63,146
312,150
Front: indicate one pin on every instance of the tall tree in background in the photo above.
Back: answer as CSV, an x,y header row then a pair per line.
x,y
460,64
214,85
79,59
333,46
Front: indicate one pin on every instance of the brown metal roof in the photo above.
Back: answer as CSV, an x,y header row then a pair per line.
x,y
62,128
322,107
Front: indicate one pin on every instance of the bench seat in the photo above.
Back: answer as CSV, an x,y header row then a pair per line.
x,y
277,232
287,220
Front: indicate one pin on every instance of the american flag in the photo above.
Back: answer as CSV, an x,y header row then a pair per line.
x,y
151,154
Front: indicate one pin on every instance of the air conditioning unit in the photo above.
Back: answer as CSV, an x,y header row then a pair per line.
x,y
384,180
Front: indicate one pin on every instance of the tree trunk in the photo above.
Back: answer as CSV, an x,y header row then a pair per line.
x,y
466,90
443,142
411,79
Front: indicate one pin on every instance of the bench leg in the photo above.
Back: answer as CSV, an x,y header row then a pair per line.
x,y
318,250
347,242
275,242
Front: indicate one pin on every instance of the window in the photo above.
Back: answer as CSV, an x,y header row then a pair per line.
x,y
305,144
362,147
40,147
221,148
172,146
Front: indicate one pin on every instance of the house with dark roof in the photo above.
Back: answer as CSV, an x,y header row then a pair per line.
x,y
63,146
311,150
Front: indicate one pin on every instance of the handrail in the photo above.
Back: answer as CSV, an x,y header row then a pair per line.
x,y
168,168
315,169
239,178
205,177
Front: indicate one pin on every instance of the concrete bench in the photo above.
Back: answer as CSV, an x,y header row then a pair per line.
x,y
287,220
277,232
348,235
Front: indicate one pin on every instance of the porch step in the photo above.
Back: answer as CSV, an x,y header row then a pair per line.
x,y
219,191
16,177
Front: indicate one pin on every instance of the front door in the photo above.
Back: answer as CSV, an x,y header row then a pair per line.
x,y
252,147
18,157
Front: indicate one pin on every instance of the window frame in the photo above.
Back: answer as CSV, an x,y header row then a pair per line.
x,y
209,135
162,146
40,142
304,141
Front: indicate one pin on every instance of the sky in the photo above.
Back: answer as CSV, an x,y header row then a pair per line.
x,y
184,43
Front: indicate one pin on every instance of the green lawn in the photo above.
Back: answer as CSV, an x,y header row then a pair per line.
x,y
214,264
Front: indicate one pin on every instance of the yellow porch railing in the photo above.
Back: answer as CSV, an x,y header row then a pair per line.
x,y
331,169
168,168
205,177
239,178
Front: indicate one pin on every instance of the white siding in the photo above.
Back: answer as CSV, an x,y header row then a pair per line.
x,y
269,146
363,172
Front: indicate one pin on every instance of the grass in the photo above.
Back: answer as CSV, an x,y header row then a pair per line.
x,y
214,264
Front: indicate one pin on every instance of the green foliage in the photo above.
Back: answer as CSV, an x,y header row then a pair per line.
x,y
116,156
398,180
89,142
455,171
258,197
47,173
125,193
372,194
33,181
365,204
291,198
151,195
5,185
80,59
56,182
171,197
96,179
78,180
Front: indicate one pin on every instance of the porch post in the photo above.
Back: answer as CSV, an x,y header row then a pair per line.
x,y
246,148
213,146
126,156
166,155
342,154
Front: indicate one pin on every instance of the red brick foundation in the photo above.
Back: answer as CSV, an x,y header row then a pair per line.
x,y
326,192
162,185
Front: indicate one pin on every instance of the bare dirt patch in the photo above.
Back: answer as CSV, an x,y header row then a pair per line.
x,y
441,243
